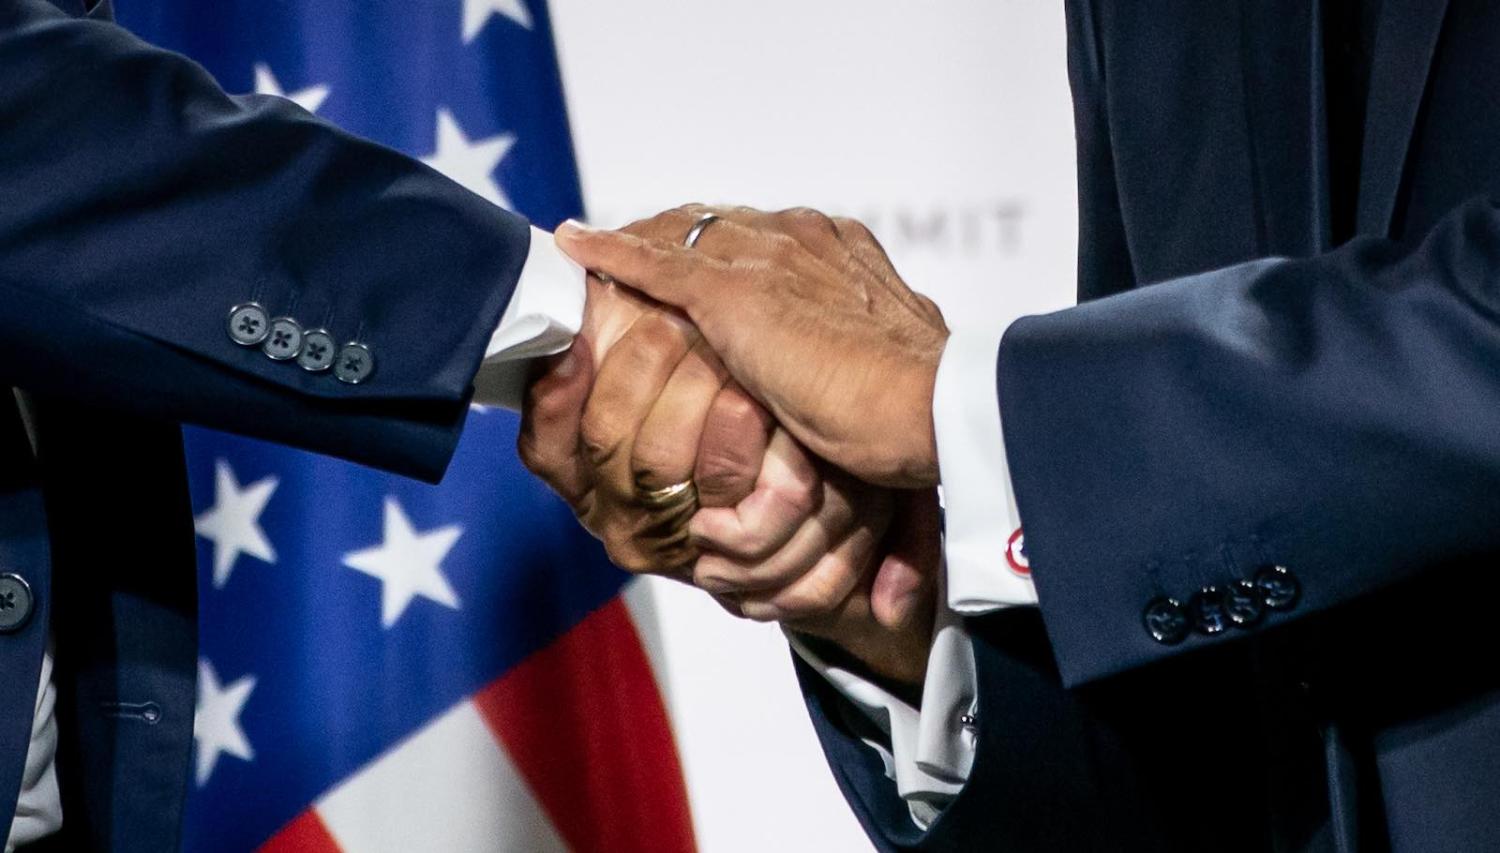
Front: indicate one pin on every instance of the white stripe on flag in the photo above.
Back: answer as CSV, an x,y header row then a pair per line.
x,y
449,787
639,595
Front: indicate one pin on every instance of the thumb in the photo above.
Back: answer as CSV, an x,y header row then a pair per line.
x,y
550,419
903,594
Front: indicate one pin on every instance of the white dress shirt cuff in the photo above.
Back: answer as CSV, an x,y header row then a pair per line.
x,y
930,751
545,312
983,540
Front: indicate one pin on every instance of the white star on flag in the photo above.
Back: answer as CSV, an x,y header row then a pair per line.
x,y
407,563
233,523
477,13
308,99
216,724
471,164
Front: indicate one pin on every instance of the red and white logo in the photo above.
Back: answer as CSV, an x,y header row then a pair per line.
x,y
1015,554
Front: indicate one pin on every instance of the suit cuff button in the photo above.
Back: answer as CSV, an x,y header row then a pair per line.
x,y
1207,609
354,363
248,324
1166,620
318,351
284,341
16,603
1243,603
1279,588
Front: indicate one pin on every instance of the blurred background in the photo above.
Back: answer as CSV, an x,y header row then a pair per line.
x,y
947,127
457,668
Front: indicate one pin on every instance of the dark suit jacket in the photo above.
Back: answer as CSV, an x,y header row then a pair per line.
x,y
1238,393
138,204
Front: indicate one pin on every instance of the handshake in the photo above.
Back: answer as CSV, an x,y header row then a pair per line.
x,y
748,408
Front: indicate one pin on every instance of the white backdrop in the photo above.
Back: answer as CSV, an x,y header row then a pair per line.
x,y
946,126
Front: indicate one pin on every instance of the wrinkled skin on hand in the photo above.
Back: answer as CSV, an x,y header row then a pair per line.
x,y
808,315
642,401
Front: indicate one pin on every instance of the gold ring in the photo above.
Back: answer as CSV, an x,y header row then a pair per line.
x,y
671,496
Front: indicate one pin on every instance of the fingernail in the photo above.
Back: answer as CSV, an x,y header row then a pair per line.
x,y
761,611
904,609
714,585
570,227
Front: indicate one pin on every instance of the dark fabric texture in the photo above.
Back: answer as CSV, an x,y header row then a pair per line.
x,y
141,204
138,204
1289,353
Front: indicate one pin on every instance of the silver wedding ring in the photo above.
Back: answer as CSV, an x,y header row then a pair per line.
x,y
698,228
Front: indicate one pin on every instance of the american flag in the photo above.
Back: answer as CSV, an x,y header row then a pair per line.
x,y
385,665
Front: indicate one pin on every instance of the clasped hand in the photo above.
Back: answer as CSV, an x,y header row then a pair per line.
x,y
819,513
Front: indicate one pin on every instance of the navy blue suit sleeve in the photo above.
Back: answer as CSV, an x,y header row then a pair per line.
x,y
1338,415
1053,769
139,203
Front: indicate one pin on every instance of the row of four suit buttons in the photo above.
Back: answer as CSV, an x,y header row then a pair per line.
x,y
1214,609
284,339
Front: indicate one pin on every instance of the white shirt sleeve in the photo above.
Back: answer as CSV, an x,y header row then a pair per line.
x,y
545,312
983,543
932,748
39,805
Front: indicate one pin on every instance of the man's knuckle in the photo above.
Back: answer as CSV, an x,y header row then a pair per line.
x,y
724,465
546,399
705,573
600,436
530,453
620,544
852,228
657,335
800,498
656,463
806,218
650,346
652,453
810,598
794,607
737,408
771,568
723,484
758,544
628,558
783,247
597,427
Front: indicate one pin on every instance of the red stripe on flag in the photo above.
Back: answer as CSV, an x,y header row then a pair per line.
x,y
305,834
584,723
